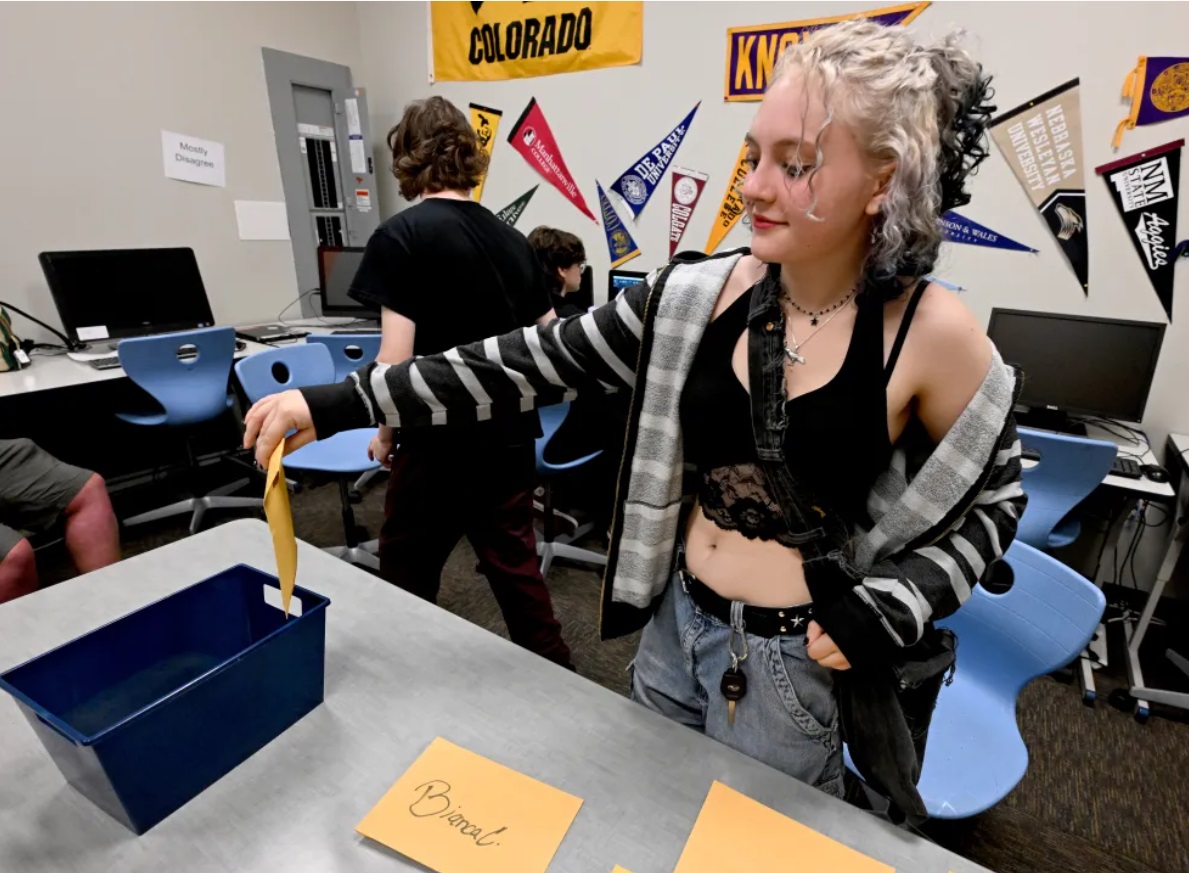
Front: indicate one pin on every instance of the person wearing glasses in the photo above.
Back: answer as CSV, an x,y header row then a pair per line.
x,y
563,258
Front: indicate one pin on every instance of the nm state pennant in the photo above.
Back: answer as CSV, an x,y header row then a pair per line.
x,y
1144,188
637,184
1042,141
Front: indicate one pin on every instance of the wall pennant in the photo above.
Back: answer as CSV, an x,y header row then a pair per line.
x,y
637,185
486,123
534,140
620,245
731,207
1158,89
957,228
1145,188
511,213
1042,141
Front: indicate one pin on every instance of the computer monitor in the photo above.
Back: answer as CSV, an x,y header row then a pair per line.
x,y
111,294
336,271
1078,365
620,280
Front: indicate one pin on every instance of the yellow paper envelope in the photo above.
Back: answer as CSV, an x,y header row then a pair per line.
x,y
458,812
280,523
619,869
734,832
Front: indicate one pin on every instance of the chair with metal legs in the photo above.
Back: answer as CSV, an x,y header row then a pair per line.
x,y
554,545
187,374
342,457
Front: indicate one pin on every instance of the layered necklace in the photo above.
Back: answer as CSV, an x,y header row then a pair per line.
x,y
792,346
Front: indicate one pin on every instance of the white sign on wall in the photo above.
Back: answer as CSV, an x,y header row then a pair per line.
x,y
190,159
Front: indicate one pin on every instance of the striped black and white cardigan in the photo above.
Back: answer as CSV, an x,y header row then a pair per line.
x,y
941,513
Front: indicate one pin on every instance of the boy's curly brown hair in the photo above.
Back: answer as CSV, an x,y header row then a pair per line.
x,y
434,148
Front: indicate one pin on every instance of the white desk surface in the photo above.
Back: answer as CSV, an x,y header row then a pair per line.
x,y
399,672
1132,448
49,372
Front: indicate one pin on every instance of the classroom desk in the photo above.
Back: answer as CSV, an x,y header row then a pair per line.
x,y
1142,694
399,672
50,372
1139,488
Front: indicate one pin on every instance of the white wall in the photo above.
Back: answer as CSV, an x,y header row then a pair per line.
x,y
604,120
85,90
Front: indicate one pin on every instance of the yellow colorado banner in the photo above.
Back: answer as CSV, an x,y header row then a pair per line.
x,y
484,42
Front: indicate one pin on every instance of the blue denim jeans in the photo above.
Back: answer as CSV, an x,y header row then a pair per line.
x,y
788,718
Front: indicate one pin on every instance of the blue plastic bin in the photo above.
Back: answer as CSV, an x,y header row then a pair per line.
x,y
144,713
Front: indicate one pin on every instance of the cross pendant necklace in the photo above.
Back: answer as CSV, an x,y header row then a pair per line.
x,y
793,350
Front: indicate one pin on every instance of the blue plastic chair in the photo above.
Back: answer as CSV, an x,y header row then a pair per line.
x,y
975,755
191,391
341,457
1069,469
552,545
349,351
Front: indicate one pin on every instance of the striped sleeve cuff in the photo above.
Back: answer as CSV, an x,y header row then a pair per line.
x,y
335,408
851,623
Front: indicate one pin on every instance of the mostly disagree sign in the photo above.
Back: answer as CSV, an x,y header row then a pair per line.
x,y
487,42
752,51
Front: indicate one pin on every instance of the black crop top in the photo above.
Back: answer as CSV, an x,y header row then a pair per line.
x,y
836,443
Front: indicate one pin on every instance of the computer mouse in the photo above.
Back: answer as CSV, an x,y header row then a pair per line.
x,y
1155,473
240,345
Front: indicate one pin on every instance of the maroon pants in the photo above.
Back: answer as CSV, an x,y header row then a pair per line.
x,y
441,492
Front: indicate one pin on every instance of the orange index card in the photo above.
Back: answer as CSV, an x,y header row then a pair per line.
x,y
735,833
458,812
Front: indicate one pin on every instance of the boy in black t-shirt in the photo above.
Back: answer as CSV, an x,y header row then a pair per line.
x,y
447,272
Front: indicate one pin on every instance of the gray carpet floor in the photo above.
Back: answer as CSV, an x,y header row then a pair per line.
x,y
1102,793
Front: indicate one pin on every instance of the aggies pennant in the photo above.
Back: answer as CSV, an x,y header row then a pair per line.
x,y
1144,188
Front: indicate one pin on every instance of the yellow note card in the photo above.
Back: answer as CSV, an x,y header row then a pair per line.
x,y
734,832
280,523
619,869
458,812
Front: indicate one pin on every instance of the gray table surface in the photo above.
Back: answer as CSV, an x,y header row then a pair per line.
x,y
399,672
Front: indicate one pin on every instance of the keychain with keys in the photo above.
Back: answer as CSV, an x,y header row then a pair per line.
x,y
734,681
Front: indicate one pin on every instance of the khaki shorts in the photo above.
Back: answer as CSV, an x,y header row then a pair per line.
x,y
35,489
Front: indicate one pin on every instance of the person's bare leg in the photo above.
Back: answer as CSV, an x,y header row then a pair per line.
x,y
92,532
18,572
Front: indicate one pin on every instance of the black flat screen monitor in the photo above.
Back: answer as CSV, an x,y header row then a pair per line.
x,y
1078,365
620,280
336,271
110,294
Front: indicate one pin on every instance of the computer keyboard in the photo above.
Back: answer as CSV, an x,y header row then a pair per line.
x,y
1128,468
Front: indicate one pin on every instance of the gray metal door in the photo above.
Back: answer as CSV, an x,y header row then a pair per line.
x,y
324,149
